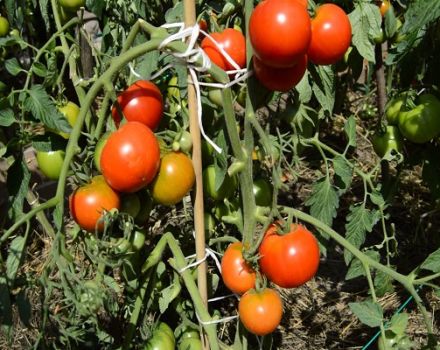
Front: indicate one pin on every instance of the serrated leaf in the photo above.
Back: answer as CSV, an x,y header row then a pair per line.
x,y
175,14
350,130
383,284
148,64
304,89
432,262
167,295
360,220
38,102
18,184
419,14
15,255
369,313
39,69
13,66
356,269
7,117
110,282
377,198
24,308
324,86
398,323
365,19
5,303
343,173
323,201
44,13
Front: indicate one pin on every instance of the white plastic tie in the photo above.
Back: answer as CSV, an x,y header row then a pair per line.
x,y
221,320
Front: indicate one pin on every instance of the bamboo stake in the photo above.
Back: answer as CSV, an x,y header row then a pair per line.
x,y
199,225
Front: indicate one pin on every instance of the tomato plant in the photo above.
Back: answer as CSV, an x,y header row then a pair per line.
x,y
142,102
331,35
174,180
50,163
260,311
4,26
237,274
291,259
232,42
280,32
88,203
130,158
384,143
162,338
226,189
421,124
279,79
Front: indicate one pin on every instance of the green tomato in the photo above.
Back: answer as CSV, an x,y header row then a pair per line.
x,y
393,108
72,5
422,123
4,26
190,344
130,204
387,343
226,189
380,38
70,112
386,142
161,339
184,143
262,193
98,150
215,96
207,153
50,163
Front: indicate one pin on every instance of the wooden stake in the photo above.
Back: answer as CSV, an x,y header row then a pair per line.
x,y
199,225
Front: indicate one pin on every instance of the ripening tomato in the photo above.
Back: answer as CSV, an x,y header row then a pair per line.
x,y
279,79
70,111
237,274
280,32
384,7
4,26
291,259
174,180
72,5
88,203
141,102
50,163
260,311
130,157
331,35
232,42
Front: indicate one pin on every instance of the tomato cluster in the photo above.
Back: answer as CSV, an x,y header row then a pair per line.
x,y
285,38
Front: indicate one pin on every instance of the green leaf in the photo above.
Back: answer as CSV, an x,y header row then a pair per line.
x,y
383,284
390,23
13,67
324,86
360,220
167,295
419,14
369,313
343,173
44,13
377,198
39,103
15,255
148,64
175,14
365,22
356,269
39,69
5,303
7,117
18,184
432,262
304,89
48,142
323,201
350,130
398,323
24,308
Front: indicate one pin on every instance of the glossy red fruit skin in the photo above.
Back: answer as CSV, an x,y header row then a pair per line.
x,y
230,40
130,158
331,35
142,102
279,79
291,259
280,32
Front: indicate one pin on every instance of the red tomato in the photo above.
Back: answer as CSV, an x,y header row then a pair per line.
x,y
230,40
237,275
130,158
331,35
279,79
289,260
88,203
303,3
141,102
175,178
260,311
280,32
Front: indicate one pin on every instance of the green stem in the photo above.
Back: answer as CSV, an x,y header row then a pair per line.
x,y
426,279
